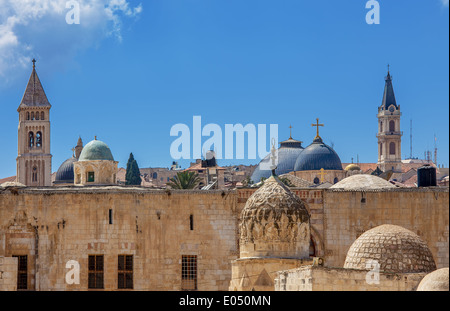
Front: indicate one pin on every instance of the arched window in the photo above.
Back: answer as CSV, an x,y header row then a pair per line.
x,y
155,175
31,139
37,115
316,180
381,126
392,148
28,115
312,248
392,126
381,149
32,115
335,181
42,115
34,174
38,139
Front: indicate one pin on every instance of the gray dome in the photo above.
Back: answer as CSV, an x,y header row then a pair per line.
x,y
287,155
317,156
65,172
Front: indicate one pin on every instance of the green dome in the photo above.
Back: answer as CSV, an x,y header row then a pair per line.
x,y
96,150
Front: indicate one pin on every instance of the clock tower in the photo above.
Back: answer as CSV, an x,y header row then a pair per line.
x,y
389,134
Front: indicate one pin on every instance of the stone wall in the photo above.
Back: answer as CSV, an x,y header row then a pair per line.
x,y
8,273
54,226
348,214
316,278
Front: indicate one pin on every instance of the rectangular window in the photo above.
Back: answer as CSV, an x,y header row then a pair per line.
x,y
22,272
110,217
95,269
191,222
90,177
125,272
189,272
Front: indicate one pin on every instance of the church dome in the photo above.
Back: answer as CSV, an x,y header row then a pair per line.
x,y
274,223
395,248
352,167
287,155
96,150
362,182
317,156
65,172
435,281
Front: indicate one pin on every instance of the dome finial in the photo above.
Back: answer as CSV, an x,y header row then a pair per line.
x,y
95,137
290,131
273,157
317,125
34,63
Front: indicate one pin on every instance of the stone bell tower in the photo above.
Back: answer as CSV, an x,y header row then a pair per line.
x,y
389,134
34,161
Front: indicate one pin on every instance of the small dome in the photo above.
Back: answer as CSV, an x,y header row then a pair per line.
x,y
317,156
362,182
274,222
287,155
96,150
435,281
65,172
395,248
352,167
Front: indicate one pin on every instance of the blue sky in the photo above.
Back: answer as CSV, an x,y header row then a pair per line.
x,y
132,69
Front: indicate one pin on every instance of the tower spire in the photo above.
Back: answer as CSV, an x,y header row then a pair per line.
x,y
388,95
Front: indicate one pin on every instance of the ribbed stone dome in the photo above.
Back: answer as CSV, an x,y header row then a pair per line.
x,y
395,248
435,281
65,172
362,182
287,155
274,223
96,150
316,156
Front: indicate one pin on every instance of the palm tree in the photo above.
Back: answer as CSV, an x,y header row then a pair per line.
x,y
184,180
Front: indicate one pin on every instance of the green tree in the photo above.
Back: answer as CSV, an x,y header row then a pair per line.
x,y
184,180
133,175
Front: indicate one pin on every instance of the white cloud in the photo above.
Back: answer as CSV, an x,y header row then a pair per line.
x,y
38,28
445,2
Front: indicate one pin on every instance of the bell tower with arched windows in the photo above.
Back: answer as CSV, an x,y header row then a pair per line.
x,y
34,161
389,134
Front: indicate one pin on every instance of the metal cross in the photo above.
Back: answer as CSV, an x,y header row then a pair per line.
x,y
317,125
322,175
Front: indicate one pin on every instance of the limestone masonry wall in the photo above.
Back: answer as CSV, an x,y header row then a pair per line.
x,y
8,273
348,214
54,225
315,278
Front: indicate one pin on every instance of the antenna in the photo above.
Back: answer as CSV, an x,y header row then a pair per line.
x,y
411,141
435,150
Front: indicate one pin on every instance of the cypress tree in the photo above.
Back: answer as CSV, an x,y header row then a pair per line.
x,y
133,175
